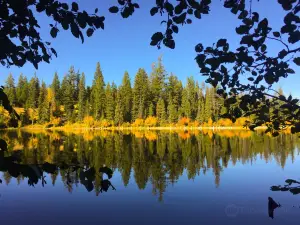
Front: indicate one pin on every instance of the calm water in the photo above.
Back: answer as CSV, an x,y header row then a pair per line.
x,y
159,177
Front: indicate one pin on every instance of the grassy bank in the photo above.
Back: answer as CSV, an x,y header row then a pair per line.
x,y
74,127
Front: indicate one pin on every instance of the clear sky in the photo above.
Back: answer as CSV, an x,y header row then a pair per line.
x,y
124,44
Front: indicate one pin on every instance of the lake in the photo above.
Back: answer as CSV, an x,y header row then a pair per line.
x,y
147,177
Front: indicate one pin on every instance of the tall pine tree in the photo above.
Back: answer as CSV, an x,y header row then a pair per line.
x,y
81,98
126,97
119,111
141,95
22,91
157,82
43,105
10,90
55,86
33,92
98,94
110,103
161,110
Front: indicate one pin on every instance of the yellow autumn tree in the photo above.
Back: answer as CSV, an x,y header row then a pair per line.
x,y
151,121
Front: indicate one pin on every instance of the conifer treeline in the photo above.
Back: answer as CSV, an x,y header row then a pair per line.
x,y
159,96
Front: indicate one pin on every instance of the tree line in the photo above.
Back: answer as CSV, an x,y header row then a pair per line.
x,y
156,99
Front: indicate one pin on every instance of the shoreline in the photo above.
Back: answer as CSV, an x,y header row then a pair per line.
x,y
216,128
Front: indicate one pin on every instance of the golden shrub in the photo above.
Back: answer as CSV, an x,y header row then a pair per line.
x,y
151,136
151,121
184,121
224,122
88,121
138,123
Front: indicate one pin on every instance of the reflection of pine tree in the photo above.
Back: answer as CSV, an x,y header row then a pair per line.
x,y
7,177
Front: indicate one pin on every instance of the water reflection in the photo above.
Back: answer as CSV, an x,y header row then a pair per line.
x,y
159,158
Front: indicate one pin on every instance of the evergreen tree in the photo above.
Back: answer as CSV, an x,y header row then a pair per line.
x,y
174,90
208,105
81,98
126,97
68,93
55,86
186,105
22,91
157,82
109,110
151,109
172,112
87,102
191,91
140,95
161,110
98,94
201,107
33,92
10,90
119,112
43,105
201,110
25,118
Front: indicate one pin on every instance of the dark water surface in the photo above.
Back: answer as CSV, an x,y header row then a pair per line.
x,y
159,177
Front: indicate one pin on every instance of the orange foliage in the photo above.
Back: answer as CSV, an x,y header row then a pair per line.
x,y
184,135
89,121
224,122
210,122
195,124
105,123
151,121
56,121
151,136
138,134
138,123
241,121
184,121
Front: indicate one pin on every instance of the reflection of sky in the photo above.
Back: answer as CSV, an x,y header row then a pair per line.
x,y
241,198
124,44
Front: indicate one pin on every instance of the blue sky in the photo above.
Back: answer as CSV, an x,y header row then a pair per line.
x,y
124,44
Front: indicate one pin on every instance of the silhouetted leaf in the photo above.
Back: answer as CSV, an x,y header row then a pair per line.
x,y
276,34
158,36
114,9
169,43
169,7
199,48
291,181
53,32
295,191
121,2
243,29
175,28
179,19
75,30
221,43
282,54
297,61
188,21
75,7
197,14
89,32
153,11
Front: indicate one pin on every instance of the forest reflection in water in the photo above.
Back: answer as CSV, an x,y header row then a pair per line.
x,y
155,157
